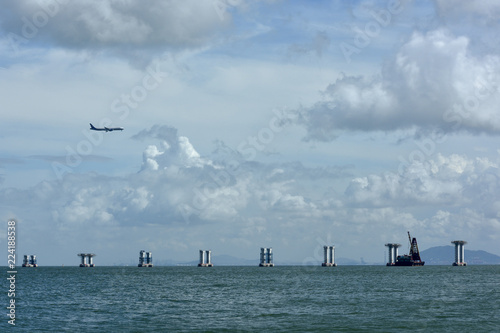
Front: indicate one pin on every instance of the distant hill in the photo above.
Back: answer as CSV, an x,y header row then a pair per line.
x,y
445,255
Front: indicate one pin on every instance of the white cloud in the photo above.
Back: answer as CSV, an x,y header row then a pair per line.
x,y
174,150
433,83
178,189
443,181
130,29
149,158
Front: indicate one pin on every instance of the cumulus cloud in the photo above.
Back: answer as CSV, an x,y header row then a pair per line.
x,y
447,196
173,150
177,186
443,181
433,84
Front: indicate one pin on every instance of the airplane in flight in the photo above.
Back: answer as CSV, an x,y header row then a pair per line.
x,y
107,129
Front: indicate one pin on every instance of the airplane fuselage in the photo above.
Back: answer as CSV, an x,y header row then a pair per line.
x,y
106,129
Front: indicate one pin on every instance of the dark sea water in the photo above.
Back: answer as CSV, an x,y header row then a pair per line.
x,y
255,299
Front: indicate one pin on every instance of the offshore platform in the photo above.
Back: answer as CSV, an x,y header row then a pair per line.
x,y
29,261
459,253
329,254
411,259
393,253
145,259
85,262
205,258
266,257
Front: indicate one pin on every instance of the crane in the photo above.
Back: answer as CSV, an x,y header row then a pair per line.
x,y
414,253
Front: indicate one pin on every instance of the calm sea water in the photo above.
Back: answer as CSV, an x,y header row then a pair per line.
x,y
254,299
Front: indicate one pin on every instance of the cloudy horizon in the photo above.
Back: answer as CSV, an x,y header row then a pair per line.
x,y
249,124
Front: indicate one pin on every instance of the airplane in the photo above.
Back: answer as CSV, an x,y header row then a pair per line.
x,y
107,129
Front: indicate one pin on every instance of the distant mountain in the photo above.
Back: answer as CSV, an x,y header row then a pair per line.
x,y
445,255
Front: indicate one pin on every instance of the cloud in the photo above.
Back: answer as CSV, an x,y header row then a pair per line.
x,y
174,150
445,197
130,29
176,185
480,12
178,193
433,84
443,181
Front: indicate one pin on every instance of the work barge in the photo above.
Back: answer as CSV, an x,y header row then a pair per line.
x,y
411,259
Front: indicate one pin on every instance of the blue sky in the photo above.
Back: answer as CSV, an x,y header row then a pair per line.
x,y
284,124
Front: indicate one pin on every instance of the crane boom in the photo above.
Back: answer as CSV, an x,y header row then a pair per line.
x,y
414,253
413,258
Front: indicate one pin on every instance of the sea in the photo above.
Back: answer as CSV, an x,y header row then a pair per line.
x,y
255,299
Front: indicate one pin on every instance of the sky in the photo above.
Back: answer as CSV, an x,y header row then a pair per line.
x,y
248,124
